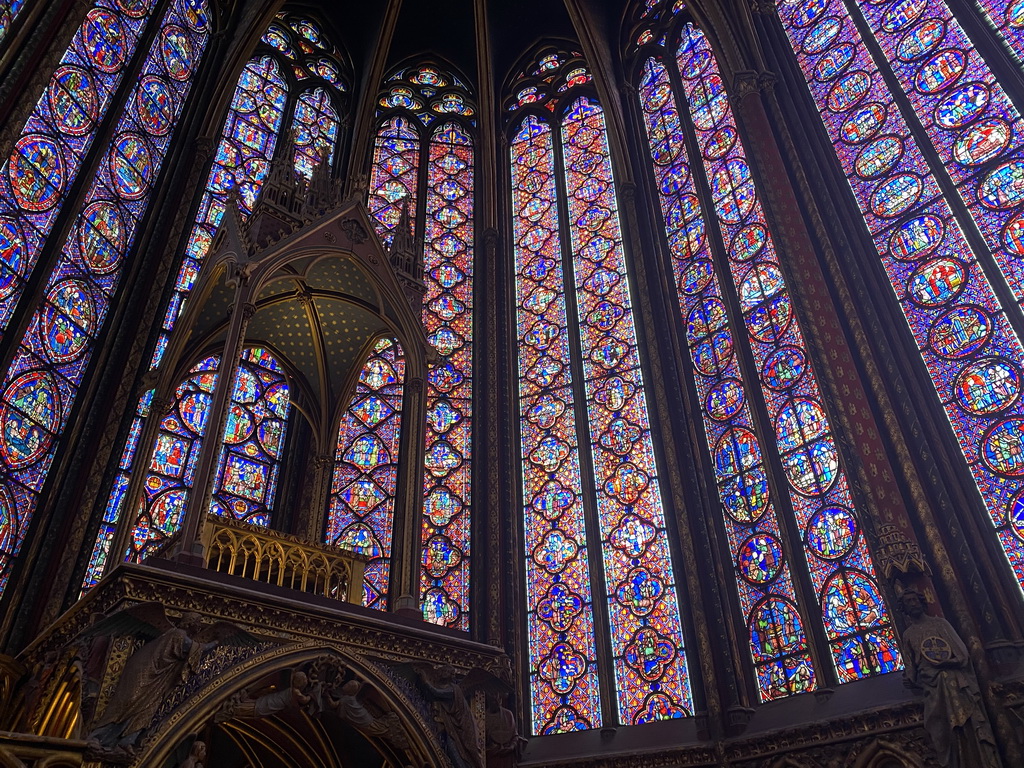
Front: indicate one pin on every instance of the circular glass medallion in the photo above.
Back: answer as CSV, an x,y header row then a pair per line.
x,y
896,195
831,532
937,282
917,238
987,386
821,35
36,172
1003,187
103,40
1002,450
982,142
960,332
863,123
783,368
155,105
941,71
73,100
849,91
748,242
131,166
921,40
759,558
724,399
67,321
101,236
29,416
878,157
745,497
176,51
962,105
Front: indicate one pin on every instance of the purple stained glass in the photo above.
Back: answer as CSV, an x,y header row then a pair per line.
x,y
241,163
394,180
448,320
860,632
362,500
9,10
58,343
316,131
1007,16
972,353
974,127
170,474
49,151
253,440
564,685
646,635
768,600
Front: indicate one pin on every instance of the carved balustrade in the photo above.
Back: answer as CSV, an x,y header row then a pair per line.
x,y
272,557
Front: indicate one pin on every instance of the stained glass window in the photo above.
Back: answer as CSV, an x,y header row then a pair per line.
x,y
613,444
171,472
423,162
9,10
971,351
448,318
1007,16
258,113
362,500
394,180
768,599
249,462
248,465
316,131
40,387
51,148
856,621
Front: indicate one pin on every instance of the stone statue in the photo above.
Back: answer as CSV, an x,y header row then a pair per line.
x,y
345,702
196,756
938,662
451,711
169,654
293,696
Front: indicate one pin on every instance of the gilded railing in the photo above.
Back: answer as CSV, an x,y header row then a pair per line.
x,y
278,558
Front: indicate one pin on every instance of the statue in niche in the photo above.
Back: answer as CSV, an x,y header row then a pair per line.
x,y
169,654
938,663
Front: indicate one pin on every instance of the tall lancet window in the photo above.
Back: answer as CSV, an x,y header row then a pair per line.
x,y
294,87
423,165
933,149
78,288
362,501
249,460
801,564
602,602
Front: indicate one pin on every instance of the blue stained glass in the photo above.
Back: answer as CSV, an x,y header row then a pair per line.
x,y
9,10
749,515
362,500
54,142
803,435
58,343
557,569
973,355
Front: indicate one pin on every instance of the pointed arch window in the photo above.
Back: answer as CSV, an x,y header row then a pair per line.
x,y
296,82
597,549
423,163
363,487
801,564
49,363
913,109
247,468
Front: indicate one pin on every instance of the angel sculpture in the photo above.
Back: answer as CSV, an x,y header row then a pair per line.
x,y
169,654
451,709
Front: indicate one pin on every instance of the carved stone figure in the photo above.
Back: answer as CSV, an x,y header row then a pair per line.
x,y
294,696
196,756
171,652
504,744
345,702
938,662
451,710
